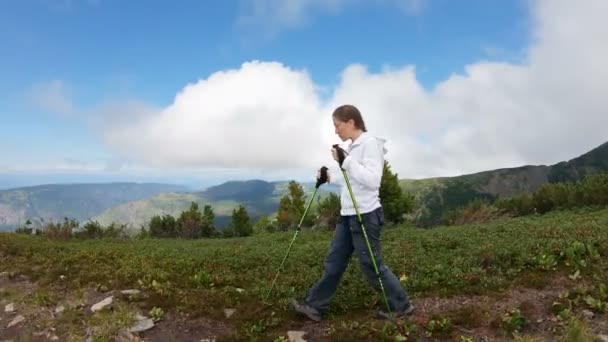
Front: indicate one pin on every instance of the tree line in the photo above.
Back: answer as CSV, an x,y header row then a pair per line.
x,y
590,191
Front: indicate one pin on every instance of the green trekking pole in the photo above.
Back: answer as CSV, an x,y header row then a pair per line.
x,y
320,181
341,156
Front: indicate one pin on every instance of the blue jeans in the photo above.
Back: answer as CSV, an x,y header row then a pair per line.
x,y
348,239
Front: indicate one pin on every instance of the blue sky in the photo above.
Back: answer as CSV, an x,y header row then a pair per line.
x,y
67,63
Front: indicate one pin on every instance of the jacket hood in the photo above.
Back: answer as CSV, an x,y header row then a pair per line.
x,y
382,142
364,137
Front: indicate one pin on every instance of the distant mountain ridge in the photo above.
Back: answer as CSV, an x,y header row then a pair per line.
x,y
436,196
136,203
53,202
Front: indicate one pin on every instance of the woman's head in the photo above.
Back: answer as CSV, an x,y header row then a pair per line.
x,y
348,122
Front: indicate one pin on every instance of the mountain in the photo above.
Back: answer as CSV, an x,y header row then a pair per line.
x,y
257,196
589,163
436,196
135,204
79,201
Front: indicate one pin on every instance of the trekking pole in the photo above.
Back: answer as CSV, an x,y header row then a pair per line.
x,y
341,154
322,179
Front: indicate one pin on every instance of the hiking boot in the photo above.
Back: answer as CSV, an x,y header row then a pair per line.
x,y
306,310
393,315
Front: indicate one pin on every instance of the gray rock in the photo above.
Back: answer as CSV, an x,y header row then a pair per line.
x,y
103,304
296,336
588,314
9,308
130,292
143,324
127,336
603,338
229,312
16,321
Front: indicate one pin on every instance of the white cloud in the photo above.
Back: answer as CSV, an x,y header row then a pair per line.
x,y
52,96
266,115
262,115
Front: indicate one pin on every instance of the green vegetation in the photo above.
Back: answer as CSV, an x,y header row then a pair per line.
x,y
395,202
507,229
435,198
591,191
201,277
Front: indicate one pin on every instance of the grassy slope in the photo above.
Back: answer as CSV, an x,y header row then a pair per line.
x,y
446,261
436,196
140,212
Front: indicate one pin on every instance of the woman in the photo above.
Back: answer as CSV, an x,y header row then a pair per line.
x,y
363,163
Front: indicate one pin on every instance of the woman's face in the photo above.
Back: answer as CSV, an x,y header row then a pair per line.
x,y
344,129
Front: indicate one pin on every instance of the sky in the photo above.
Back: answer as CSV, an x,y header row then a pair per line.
x,y
201,92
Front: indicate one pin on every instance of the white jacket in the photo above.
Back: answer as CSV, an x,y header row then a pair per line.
x,y
363,164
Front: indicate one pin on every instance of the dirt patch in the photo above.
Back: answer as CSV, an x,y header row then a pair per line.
x,y
175,328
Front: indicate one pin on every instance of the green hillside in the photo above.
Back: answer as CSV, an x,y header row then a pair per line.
x,y
530,276
437,196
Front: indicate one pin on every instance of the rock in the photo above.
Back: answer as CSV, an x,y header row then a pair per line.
x,y
239,290
229,312
54,338
133,295
103,304
9,308
588,314
72,304
16,321
603,338
540,320
130,292
59,309
143,324
89,335
296,336
127,336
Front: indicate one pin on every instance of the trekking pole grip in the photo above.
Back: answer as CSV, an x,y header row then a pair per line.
x,y
322,177
341,154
